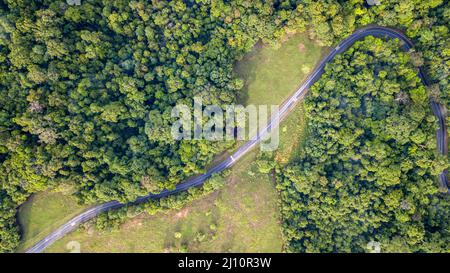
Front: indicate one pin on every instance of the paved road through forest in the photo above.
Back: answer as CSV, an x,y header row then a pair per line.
x,y
286,107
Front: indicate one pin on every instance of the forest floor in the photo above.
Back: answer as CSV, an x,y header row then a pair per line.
x,y
241,217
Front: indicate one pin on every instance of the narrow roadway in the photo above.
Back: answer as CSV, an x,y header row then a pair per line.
x,y
286,107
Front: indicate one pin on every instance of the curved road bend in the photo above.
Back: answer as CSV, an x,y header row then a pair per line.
x,y
286,107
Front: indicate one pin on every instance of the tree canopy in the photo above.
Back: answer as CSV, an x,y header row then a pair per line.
x,y
369,166
86,90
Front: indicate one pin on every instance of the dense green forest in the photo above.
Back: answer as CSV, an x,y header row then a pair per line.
x,y
86,91
369,166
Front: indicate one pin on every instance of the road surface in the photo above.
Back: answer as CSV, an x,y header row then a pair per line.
x,y
286,107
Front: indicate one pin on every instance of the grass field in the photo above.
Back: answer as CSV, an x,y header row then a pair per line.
x,y
43,213
271,75
243,216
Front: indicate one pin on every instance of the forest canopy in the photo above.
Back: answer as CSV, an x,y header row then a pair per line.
x,y
86,90
369,166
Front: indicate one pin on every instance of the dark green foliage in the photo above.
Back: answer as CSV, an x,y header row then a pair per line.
x,y
369,166
86,91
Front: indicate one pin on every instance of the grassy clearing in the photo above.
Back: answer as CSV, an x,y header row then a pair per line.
x,y
271,75
43,213
243,216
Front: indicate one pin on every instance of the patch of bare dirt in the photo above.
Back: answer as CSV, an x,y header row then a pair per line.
x,y
182,213
90,231
301,47
133,222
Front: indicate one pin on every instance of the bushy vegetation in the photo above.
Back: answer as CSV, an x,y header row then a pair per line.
x,y
368,169
114,218
87,90
241,216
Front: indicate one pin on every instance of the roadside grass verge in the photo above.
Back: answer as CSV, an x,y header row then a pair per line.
x,y
43,213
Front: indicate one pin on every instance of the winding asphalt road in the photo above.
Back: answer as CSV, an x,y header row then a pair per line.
x,y
286,107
